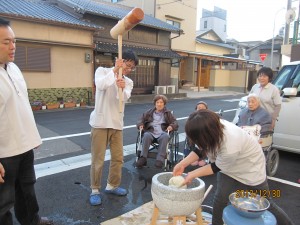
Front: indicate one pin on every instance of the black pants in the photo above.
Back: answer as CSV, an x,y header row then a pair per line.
x,y
18,190
228,185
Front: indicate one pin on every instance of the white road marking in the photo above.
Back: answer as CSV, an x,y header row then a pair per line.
x,y
125,127
75,162
76,135
284,181
232,100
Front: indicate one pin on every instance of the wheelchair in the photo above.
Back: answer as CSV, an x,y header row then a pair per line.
x,y
172,149
265,140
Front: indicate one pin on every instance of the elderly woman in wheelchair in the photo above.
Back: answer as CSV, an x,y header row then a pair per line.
x,y
156,124
258,122
255,114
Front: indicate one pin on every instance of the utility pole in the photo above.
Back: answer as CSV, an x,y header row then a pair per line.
x,y
287,25
296,28
272,45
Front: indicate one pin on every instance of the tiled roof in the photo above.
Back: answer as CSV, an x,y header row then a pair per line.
x,y
142,51
40,11
116,11
210,42
268,46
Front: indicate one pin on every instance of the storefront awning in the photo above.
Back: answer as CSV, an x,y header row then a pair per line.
x,y
141,51
212,57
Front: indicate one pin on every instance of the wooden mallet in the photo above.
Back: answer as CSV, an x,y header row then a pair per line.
x,y
135,16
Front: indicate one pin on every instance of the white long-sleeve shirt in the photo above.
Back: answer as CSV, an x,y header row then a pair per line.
x,y
106,113
18,131
240,156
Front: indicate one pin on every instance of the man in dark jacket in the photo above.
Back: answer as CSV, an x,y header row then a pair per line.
x,y
156,123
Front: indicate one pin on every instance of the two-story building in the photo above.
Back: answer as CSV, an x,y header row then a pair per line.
x,y
60,43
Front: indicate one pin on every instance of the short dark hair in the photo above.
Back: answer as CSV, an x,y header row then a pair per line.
x,y
162,97
267,71
129,55
4,23
204,129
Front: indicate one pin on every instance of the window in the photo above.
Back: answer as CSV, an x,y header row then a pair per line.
x,y
296,82
283,76
224,28
33,58
205,24
174,23
175,62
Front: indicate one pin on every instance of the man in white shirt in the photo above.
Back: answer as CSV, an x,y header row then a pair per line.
x,y
106,121
18,137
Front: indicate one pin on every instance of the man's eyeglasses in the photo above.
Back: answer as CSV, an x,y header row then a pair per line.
x,y
262,75
130,67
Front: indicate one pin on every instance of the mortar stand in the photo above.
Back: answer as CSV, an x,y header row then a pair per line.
x,y
177,220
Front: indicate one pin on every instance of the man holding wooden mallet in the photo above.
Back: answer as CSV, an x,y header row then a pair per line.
x,y
113,88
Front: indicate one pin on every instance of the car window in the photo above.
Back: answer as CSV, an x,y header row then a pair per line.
x,y
283,76
296,81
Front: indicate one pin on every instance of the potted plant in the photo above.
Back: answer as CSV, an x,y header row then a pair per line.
x,y
82,103
61,104
52,105
36,105
69,103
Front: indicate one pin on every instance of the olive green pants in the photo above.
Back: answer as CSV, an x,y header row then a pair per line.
x,y
100,140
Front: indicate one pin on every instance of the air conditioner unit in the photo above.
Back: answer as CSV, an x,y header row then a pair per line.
x,y
160,90
170,89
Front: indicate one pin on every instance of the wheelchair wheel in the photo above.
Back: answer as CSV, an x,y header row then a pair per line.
x,y
138,146
272,162
173,150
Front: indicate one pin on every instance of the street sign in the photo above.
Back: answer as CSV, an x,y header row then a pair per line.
x,y
262,56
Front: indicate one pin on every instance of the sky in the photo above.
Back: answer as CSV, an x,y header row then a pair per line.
x,y
250,20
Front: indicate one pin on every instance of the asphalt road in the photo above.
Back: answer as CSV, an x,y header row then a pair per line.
x,y
62,166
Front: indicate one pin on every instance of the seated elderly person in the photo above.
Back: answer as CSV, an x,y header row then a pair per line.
x,y
156,123
190,145
255,114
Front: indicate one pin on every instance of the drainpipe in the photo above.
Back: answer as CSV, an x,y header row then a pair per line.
x,y
179,62
179,34
154,9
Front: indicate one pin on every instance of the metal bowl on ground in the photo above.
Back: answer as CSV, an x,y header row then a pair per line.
x,y
174,201
249,205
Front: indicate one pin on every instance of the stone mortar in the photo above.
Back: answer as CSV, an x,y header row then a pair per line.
x,y
174,201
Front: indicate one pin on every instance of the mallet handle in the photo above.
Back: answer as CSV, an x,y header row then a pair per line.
x,y
121,96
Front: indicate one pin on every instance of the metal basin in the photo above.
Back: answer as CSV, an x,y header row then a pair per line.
x,y
173,201
249,205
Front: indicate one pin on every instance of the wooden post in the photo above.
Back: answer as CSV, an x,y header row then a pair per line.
x,y
199,72
154,215
199,216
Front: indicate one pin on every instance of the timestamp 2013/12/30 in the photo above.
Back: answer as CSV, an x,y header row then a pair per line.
x,y
275,193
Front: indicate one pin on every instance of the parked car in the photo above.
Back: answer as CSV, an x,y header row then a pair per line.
x,y
286,135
